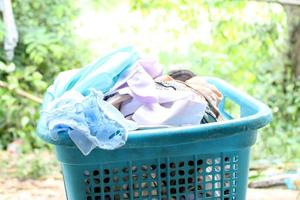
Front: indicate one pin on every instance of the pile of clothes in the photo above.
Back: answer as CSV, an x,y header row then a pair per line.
x,y
100,104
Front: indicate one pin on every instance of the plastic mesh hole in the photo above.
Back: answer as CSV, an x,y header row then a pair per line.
x,y
144,168
234,183
96,180
145,175
226,192
235,158
173,182
199,187
235,166
107,189
134,168
144,185
153,175
153,167
173,173
115,179
235,175
217,168
97,198
116,188
182,189
172,165
97,189
227,175
87,181
181,172
181,181
217,160
209,161
190,180
217,193
227,168
106,180
145,193
209,169
226,184
199,162
200,170
217,185
173,190
86,173
125,178
208,194
200,179
126,195
88,198
95,172
163,166
191,188
191,171
125,187
208,186
191,163
154,192
106,171
227,159
163,175
208,178
125,170
181,164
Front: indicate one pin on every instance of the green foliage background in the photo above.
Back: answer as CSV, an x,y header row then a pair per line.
x,y
249,54
46,47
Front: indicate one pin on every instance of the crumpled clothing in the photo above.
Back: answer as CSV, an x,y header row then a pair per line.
x,y
208,91
140,100
89,121
158,102
66,110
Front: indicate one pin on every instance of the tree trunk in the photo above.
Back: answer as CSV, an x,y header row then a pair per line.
x,y
293,54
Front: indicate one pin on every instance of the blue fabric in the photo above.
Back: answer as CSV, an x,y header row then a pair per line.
x,y
74,104
101,75
90,121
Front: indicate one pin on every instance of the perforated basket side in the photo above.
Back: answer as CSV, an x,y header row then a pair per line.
x,y
220,176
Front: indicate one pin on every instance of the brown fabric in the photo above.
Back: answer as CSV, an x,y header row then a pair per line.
x,y
164,78
181,75
117,99
208,91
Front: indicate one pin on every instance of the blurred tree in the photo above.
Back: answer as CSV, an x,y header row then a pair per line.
x,y
293,53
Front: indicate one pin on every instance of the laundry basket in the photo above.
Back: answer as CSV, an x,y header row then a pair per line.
x,y
208,161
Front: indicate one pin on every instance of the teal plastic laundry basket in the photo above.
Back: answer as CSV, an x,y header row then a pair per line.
x,y
208,161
